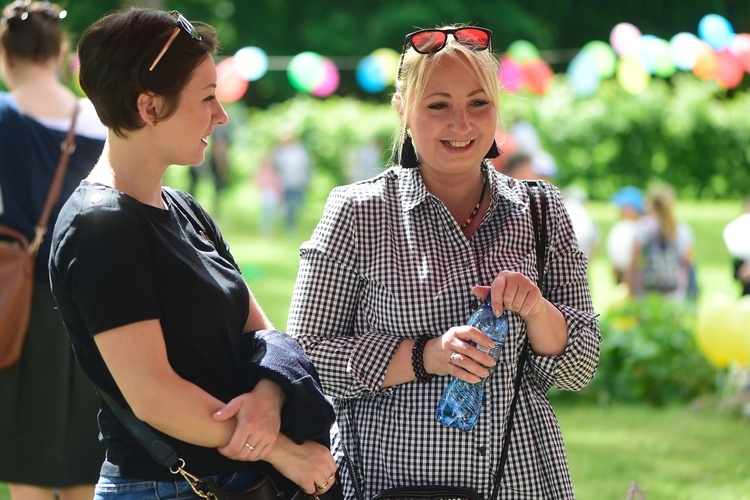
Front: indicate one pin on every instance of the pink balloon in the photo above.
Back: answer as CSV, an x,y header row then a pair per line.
x,y
510,74
330,80
230,86
624,38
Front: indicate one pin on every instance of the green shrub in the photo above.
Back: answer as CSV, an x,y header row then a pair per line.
x,y
649,355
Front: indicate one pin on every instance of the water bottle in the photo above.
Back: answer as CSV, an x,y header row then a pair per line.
x,y
461,402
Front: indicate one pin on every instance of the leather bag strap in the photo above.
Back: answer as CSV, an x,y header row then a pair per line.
x,y
536,192
67,147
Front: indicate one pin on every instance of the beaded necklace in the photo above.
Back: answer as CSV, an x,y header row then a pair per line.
x,y
474,212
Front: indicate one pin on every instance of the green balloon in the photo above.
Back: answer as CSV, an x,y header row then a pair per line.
x,y
523,51
604,57
306,71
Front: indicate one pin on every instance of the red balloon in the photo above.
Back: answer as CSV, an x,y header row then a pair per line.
x,y
538,76
230,86
729,70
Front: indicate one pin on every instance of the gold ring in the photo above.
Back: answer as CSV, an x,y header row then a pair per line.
x,y
330,478
322,486
252,448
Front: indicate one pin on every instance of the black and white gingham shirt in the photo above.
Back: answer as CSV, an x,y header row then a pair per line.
x,y
388,262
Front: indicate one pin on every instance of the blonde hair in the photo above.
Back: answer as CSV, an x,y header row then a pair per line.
x,y
416,70
661,198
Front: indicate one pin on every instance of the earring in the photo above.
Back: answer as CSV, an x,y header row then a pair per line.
x,y
407,156
494,152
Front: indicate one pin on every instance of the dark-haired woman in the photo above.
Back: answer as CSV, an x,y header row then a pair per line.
x,y
48,436
153,300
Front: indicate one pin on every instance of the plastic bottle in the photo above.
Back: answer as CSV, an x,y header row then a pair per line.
x,y
461,402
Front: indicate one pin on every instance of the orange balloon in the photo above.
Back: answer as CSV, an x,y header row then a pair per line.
x,y
706,64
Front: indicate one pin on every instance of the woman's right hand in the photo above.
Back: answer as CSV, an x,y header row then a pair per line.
x,y
453,354
309,465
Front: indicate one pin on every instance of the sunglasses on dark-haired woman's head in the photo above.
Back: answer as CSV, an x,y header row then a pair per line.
x,y
182,24
430,41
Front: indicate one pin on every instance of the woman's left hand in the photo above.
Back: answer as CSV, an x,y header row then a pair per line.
x,y
258,415
515,292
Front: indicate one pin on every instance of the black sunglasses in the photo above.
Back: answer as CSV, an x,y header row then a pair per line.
x,y
430,41
182,24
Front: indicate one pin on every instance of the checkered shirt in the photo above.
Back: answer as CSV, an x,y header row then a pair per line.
x,y
388,262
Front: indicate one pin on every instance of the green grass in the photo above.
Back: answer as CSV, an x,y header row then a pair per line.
x,y
671,453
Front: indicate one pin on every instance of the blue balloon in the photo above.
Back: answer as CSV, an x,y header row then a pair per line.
x,y
583,74
716,31
370,75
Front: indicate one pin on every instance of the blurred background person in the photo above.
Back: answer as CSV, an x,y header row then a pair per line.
x,y
587,232
662,259
271,194
737,239
621,237
293,164
48,432
216,167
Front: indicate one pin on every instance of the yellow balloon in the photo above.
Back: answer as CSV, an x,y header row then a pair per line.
x,y
721,330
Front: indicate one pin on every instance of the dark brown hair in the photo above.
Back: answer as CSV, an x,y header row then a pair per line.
x,y
115,53
31,31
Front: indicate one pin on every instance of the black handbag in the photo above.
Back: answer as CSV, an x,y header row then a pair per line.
x,y
537,199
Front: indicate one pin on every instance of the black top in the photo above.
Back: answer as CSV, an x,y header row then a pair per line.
x,y
116,261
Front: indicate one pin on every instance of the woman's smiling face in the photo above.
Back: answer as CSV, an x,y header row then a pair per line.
x,y
453,124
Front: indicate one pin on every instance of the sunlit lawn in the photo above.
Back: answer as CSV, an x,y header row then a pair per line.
x,y
673,453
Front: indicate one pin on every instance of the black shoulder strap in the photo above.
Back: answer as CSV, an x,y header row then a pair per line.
x,y
161,450
537,197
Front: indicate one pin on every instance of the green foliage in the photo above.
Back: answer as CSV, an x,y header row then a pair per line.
x,y
649,354
687,132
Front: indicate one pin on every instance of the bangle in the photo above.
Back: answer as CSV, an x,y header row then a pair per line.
x,y
417,360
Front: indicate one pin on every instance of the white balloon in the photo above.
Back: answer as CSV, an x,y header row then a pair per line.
x,y
737,237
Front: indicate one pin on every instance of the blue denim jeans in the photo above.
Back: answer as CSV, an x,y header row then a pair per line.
x,y
118,488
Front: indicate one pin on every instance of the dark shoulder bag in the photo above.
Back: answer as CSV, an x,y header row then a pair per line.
x,y
537,203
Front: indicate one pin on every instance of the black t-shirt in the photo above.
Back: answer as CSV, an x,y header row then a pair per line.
x,y
116,261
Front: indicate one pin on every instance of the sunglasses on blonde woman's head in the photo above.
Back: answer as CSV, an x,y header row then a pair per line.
x,y
182,24
430,41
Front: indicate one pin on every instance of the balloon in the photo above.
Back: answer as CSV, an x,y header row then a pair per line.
x,y
716,31
706,64
387,59
330,81
306,71
684,49
583,74
737,237
653,53
624,38
740,47
729,71
370,75
251,63
604,57
538,76
230,86
722,330
523,51
510,74
631,75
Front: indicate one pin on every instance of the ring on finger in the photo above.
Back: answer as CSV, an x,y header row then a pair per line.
x,y
322,486
451,359
252,448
